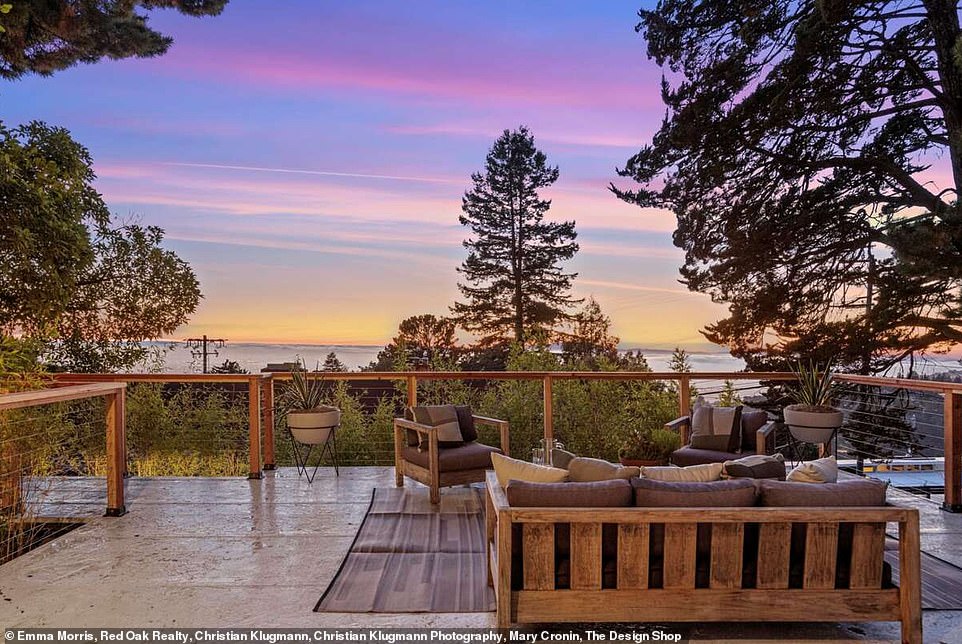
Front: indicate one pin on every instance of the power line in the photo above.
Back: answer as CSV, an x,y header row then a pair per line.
x,y
199,349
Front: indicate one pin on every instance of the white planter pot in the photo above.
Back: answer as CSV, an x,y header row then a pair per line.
x,y
313,427
812,426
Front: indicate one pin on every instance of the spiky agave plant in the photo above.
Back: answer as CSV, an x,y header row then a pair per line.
x,y
303,393
816,388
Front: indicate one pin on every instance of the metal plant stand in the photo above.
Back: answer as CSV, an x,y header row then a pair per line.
x,y
301,458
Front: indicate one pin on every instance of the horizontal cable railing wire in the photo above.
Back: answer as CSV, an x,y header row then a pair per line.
x,y
52,460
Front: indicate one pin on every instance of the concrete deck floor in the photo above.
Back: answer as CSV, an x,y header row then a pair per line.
x,y
230,552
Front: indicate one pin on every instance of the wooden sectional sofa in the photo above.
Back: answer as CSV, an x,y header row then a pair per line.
x,y
753,564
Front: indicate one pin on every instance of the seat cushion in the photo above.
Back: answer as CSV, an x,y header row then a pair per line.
x,y
848,493
444,420
672,494
752,421
470,456
690,456
596,494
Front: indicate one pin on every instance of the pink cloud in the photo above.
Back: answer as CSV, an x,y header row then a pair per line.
x,y
441,71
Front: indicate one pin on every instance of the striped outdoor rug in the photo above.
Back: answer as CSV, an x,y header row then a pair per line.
x,y
412,557
941,581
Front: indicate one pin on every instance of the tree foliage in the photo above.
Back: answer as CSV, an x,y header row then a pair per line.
x,y
590,337
416,336
333,364
43,37
89,288
797,155
513,282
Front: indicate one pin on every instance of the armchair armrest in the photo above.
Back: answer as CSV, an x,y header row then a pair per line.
x,y
403,423
682,426
765,438
503,429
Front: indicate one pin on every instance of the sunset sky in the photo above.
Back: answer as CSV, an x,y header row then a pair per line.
x,y
308,158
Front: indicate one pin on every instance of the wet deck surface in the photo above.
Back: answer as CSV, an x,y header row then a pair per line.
x,y
236,553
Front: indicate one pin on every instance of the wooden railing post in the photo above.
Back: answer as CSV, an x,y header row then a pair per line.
x,y
548,415
684,396
412,391
952,430
269,457
254,422
116,454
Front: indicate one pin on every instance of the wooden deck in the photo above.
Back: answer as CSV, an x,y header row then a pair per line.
x,y
233,552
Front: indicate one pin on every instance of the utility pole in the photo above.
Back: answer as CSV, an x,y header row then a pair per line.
x,y
198,347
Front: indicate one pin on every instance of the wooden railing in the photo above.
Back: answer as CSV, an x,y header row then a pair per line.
x,y
260,412
114,393
261,400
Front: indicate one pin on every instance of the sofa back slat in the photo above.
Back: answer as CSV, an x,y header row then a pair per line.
x,y
821,556
539,556
868,546
774,555
632,556
727,548
680,555
586,561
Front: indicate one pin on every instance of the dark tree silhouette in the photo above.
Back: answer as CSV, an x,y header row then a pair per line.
x,y
43,37
794,155
513,283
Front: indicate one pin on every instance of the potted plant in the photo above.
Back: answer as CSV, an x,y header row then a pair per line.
x,y
649,447
812,418
308,419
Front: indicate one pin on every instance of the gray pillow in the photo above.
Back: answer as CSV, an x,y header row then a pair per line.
x,y
583,470
561,458
736,493
716,428
597,494
756,466
853,493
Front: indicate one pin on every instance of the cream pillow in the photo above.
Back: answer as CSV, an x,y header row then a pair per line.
x,y
511,469
586,470
692,473
822,470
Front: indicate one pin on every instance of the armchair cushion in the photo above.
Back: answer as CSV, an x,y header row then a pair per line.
x,y
468,456
716,428
444,418
466,422
752,421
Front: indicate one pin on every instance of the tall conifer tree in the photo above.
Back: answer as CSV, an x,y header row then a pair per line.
x,y
513,282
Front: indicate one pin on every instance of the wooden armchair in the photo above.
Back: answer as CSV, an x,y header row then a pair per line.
x,y
757,437
438,466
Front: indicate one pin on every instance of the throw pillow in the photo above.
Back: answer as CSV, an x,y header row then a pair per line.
x,y
511,469
561,458
692,473
444,418
469,432
822,470
716,428
684,494
585,470
756,466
